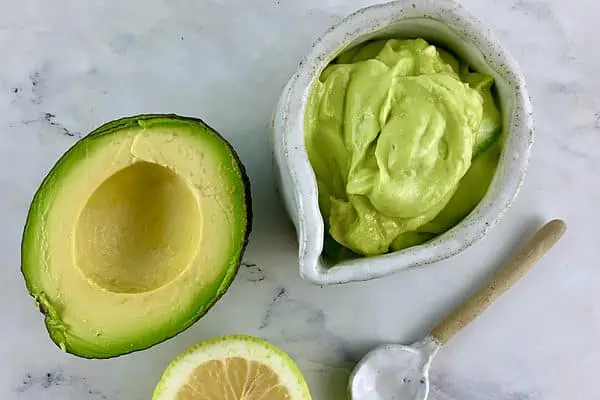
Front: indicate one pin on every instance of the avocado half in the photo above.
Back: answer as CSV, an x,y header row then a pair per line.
x,y
135,233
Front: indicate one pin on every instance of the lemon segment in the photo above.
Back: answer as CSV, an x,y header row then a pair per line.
x,y
235,367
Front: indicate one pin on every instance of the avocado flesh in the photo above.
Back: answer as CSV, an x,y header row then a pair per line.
x,y
135,233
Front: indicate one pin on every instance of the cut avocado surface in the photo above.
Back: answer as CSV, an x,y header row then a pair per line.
x,y
135,233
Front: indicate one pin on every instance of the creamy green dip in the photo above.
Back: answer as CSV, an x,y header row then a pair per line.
x,y
401,137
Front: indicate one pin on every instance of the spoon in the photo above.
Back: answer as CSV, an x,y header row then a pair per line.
x,y
397,372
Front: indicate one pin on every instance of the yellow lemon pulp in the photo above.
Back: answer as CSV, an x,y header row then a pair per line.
x,y
233,378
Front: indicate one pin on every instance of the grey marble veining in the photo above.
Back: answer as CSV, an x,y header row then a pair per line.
x,y
68,66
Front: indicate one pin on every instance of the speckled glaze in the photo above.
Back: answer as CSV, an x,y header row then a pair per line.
x,y
442,22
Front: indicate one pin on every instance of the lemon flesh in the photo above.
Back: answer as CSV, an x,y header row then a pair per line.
x,y
232,368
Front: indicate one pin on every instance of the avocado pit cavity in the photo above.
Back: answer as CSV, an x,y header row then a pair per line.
x,y
129,234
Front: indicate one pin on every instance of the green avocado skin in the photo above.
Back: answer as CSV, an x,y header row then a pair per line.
x,y
29,241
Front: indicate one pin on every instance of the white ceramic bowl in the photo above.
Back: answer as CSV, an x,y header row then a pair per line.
x,y
444,22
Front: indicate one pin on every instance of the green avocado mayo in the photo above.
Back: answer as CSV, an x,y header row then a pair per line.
x,y
403,139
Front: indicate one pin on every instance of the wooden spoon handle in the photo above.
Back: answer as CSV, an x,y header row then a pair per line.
x,y
521,263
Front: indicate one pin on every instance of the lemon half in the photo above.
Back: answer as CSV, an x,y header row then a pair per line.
x,y
236,367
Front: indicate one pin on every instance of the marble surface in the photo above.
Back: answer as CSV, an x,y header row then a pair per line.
x,y
68,66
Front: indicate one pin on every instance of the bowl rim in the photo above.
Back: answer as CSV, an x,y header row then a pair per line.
x,y
294,163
